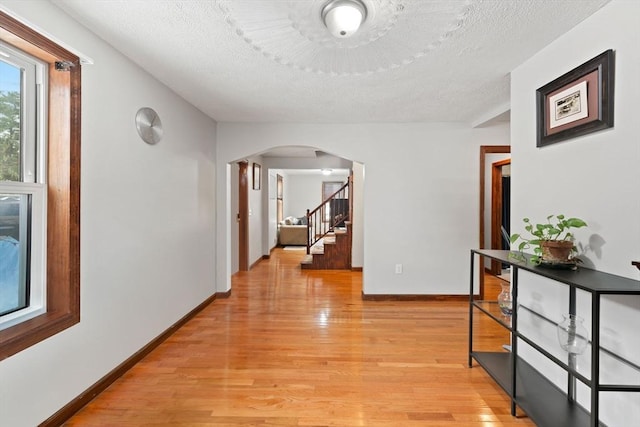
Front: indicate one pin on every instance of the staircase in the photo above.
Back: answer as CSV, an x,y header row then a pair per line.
x,y
329,233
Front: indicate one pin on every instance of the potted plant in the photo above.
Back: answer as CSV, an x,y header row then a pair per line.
x,y
551,242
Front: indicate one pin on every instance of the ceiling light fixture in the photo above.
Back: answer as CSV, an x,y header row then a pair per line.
x,y
344,17
326,172
392,33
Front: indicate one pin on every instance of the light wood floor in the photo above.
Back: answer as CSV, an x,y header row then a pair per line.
x,y
301,348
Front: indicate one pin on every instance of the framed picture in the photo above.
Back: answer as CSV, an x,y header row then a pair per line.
x,y
256,176
578,102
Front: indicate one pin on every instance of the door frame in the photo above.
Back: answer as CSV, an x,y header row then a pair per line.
x,y
496,211
484,150
243,216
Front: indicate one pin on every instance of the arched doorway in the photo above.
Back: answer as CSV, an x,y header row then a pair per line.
x,y
229,251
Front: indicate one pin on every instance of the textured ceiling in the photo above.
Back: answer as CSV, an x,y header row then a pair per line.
x,y
271,61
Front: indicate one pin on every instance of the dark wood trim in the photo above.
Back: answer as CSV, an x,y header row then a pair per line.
x,y
66,412
414,297
258,261
223,295
243,216
496,211
27,39
63,191
356,268
484,150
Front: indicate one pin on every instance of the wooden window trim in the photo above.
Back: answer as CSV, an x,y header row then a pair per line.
x,y
63,191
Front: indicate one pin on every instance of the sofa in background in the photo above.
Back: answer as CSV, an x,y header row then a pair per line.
x,y
293,231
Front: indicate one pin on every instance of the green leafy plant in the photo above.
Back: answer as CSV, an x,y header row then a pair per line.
x,y
557,228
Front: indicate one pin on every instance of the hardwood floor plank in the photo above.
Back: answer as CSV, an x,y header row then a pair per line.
x,y
294,347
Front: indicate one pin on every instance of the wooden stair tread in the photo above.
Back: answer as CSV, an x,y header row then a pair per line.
x,y
332,251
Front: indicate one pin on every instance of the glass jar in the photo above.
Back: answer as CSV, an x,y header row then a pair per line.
x,y
504,299
573,336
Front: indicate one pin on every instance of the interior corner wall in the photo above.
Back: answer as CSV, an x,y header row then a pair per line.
x,y
420,200
272,211
357,247
594,177
147,227
234,207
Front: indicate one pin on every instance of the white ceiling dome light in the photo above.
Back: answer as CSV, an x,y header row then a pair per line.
x,y
306,35
344,17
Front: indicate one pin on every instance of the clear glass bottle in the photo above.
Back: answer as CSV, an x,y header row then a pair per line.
x,y
504,300
573,336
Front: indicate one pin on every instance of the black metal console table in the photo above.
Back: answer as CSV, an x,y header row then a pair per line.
x,y
538,397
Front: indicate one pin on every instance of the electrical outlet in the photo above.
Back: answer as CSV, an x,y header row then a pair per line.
x,y
398,268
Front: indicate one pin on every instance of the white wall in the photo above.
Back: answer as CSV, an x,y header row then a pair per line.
x,y
421,194
302,192
147,227
234,206
272,211
357,236
256,200
594,177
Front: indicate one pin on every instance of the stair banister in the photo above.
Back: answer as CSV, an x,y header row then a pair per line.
x,y
317,226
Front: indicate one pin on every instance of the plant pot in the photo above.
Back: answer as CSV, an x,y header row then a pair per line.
x,y
556,251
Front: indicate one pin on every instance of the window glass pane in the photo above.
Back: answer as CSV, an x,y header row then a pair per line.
x,y
10,101
14,289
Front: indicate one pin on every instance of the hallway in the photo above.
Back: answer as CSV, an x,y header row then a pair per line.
x,y
295,347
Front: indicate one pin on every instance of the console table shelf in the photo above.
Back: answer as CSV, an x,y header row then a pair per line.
x,y
539,398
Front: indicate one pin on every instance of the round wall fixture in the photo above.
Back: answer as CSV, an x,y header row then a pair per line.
x,y
149,125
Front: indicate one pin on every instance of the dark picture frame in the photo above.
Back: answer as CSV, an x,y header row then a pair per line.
x,y
256,176
578,102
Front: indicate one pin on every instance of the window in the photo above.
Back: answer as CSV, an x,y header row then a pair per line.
x,y
14,286
39,187
22,211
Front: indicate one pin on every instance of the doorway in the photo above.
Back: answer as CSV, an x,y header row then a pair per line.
x,y
500,210
242,217
486,151
279,199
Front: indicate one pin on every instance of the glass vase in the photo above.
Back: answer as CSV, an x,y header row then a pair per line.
x,y
573,336
504,300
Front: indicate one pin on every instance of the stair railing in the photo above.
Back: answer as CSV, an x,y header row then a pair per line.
x,y
329,215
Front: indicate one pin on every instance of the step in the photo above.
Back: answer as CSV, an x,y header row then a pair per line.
x,y
329,240
332,259
316,250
